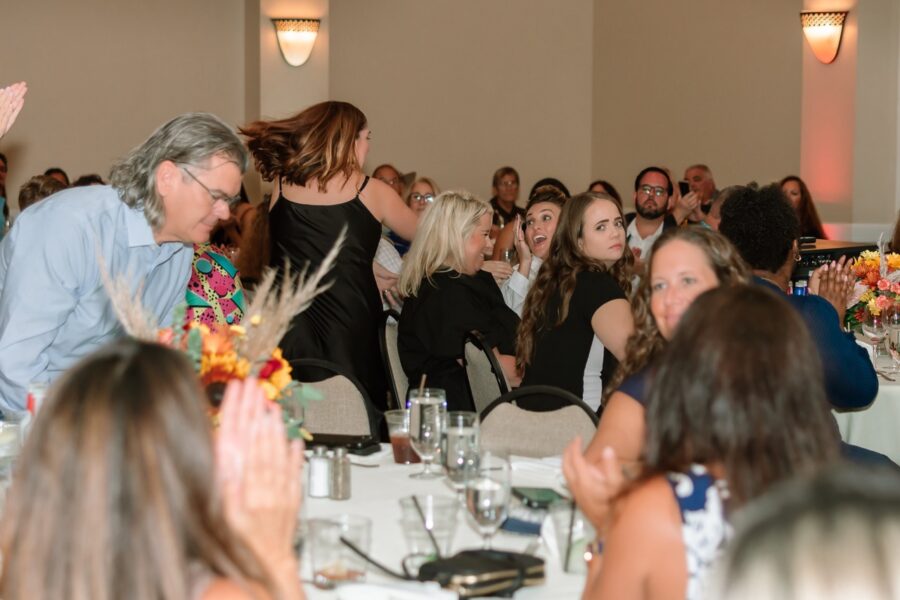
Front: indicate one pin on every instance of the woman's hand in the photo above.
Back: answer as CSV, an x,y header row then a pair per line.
x,y
592,486
259,474
12,99
834,282
522,249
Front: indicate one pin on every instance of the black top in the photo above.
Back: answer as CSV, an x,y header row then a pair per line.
x,y
434,323
341,325
501,217
561,352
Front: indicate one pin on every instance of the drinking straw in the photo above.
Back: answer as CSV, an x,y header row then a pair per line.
x,y
569,538
430,533
422,384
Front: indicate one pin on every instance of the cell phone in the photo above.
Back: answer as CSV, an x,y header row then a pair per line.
x,y
535,497
684,187
361,445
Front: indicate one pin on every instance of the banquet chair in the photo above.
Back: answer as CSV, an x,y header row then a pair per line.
x,y
484,375
508,428
345,407
387,340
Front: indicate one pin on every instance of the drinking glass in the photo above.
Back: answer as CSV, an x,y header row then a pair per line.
x,y
487,494
875,330
398,430
459,447
438,517
509,256
333,562
427,411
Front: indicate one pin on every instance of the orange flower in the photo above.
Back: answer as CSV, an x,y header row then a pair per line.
x,y
217,342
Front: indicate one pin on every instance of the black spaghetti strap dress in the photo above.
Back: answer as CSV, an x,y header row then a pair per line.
x,y
341,325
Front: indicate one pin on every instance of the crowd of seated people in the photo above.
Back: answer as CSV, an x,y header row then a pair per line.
x,y
722,392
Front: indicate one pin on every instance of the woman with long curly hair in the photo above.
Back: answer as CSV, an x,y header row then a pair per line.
x,y
580,293
315,159
796,191
684,263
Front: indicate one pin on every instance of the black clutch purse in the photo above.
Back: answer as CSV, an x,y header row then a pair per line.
x,y
474,573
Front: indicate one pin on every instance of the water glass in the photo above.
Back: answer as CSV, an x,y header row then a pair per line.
x,y
333,562
398,430
487,494
509,256
459,446
571,530
427,411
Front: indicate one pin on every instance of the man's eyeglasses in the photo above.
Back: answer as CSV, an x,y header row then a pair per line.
x,y
508,184
416,197
216,196
649,190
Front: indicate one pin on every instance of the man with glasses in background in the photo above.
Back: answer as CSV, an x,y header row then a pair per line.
x,y
165,196
652,194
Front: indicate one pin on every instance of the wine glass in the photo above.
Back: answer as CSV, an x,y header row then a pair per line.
x,y
487,494
875,330
427,412
459,447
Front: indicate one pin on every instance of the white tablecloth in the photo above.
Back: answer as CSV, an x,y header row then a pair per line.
x,y
376,493
877,427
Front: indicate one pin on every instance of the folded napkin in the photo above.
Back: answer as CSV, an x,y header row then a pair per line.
x,y
411,590
526,464
384,455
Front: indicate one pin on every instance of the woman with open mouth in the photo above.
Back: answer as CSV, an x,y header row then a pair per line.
x,y
533,239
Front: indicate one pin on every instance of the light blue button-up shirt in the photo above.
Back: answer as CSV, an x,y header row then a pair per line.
x,y
53,307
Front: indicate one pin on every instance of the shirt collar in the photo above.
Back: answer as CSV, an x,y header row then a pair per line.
x,y
139,231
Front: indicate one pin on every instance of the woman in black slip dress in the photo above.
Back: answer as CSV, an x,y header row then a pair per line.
x,y
315,159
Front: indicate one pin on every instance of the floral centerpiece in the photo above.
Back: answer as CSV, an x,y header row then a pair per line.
x,y
877,286
221,353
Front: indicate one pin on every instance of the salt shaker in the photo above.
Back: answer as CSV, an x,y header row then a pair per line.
x,y
319,473
340,475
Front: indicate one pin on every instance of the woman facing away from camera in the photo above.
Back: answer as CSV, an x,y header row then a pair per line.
x,y
448,295
580,294
737,406
315,159
121,491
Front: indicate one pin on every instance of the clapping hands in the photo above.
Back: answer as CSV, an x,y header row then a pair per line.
x,y
834,282
593,486
259,474
12,99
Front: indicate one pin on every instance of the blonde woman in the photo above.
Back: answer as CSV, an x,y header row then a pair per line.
x,y
449,295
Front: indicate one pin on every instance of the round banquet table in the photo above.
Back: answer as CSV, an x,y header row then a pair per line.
x,y
376,493
878,426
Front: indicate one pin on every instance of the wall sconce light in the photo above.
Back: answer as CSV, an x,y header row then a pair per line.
x,y
823,31
296,38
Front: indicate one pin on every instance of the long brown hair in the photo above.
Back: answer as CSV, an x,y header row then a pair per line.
x,y
560,271
646,343
810,223
317,144
114,495
740,385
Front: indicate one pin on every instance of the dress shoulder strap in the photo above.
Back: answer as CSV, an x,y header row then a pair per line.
x,y
363,186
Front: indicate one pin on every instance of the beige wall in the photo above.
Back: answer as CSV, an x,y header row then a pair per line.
x,y
102,75
702,81
456,89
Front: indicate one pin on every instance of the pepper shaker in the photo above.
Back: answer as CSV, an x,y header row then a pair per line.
x,y
340,475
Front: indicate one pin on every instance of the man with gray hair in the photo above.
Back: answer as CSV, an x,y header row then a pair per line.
x,y
165,195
